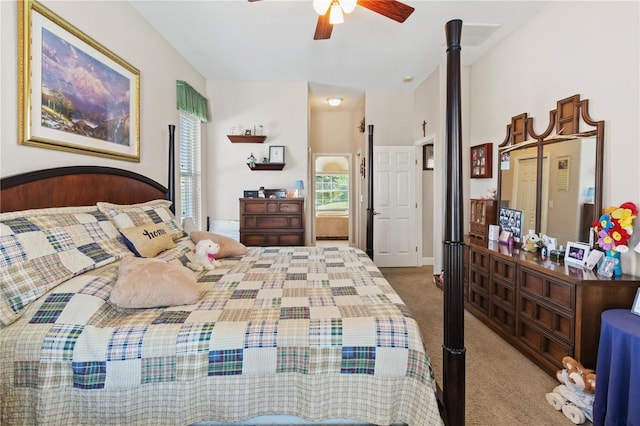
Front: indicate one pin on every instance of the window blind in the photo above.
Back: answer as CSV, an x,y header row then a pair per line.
x,y
190,170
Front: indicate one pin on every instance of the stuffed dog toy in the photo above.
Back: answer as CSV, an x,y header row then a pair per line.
x,y
205,257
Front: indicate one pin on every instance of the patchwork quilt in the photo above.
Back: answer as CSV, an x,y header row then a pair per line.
x,y
308,331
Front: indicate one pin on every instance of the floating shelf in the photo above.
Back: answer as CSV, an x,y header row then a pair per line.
x,y
267,166
247,138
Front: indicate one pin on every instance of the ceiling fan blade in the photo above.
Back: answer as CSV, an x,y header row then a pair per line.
x,y
323,28
390,8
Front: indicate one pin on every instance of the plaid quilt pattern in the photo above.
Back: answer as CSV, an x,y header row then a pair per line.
x,y
274,314
40,249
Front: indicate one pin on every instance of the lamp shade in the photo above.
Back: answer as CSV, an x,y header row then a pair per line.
x,y
299,184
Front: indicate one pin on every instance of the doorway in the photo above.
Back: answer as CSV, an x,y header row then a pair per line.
x,y
332,199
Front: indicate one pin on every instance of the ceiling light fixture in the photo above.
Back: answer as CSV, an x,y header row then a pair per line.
x,y
334,101
337,8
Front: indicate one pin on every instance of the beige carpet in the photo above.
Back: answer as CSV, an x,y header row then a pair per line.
x,y
502,386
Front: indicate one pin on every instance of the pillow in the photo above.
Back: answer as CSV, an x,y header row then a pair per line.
x,y
132,215
228,246
42,248
148,240
152,283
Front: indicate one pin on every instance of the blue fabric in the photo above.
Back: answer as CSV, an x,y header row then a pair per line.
x,y
617,400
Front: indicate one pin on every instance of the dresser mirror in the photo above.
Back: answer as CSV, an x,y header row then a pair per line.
x,y
554,177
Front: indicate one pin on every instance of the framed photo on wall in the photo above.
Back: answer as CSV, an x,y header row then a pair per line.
x,y
97,112
481,161
427,156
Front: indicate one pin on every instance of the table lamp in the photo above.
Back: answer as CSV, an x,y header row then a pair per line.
x,y
299,187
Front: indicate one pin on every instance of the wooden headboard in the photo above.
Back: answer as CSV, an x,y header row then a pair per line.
x,y
76,186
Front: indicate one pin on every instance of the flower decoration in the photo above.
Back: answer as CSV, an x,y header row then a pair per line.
x,y
614,228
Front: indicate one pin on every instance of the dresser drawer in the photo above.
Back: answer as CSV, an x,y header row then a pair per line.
x,y
557,292
271,207
272,238
479,260
504,270
271,222
550,348
557,322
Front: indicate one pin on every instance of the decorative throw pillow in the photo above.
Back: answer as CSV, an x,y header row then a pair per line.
x,y
228,246
42,248
151,283
148,240
131,215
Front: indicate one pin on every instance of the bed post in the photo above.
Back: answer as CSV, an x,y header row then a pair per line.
x,y
171,182
370,211
453,346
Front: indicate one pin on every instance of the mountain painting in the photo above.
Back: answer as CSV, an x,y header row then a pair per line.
x,y
81,95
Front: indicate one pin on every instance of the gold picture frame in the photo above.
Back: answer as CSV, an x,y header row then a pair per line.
x,y
97,112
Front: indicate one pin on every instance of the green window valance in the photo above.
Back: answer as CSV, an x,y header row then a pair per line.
x,y
189,100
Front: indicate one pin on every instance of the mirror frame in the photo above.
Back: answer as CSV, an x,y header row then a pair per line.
x,y
564,125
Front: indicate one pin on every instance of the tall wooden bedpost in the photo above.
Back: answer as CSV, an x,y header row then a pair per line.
x,y
370,210
453,347
171,184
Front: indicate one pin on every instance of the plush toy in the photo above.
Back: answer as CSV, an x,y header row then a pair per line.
x,y
205,257
531,243
575,395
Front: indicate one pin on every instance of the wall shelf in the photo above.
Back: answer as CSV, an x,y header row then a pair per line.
x,y
247,138
267,166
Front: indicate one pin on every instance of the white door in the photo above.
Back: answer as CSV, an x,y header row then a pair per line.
x,y
394,224
524,192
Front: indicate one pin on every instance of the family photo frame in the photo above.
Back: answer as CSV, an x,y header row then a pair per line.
x,y
511,220
95,113
576,253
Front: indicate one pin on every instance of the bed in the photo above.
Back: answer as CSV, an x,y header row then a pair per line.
x,y
307,331
312,332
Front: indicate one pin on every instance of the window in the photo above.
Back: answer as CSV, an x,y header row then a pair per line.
x,y
332,192
190,175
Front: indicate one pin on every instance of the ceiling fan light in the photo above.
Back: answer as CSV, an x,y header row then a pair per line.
x,y
348,5
321,6
335,15
334,101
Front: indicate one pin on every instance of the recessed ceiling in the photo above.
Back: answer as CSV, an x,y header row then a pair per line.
x,y
272,40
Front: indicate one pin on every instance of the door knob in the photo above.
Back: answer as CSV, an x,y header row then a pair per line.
x,y
375,212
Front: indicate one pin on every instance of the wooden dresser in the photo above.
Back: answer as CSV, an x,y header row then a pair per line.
x,y
543,308
482,213
272,221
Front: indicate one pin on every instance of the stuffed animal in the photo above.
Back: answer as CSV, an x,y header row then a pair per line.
x,y
205,256
576,376
532,242
576,393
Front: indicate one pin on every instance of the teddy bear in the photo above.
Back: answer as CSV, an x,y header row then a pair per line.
x,y
205,256
576,393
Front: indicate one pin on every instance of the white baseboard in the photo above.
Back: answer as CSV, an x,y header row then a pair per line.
x,y
427,260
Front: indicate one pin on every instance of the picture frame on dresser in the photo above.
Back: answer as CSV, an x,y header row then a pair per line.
x,y
511,220
481,160
635,308
576,253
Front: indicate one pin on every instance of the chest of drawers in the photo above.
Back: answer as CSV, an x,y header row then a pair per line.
x,y
272,221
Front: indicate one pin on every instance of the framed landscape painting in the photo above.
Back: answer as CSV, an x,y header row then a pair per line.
x,y
74,94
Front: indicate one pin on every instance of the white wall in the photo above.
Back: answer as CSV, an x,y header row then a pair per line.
x,y
120,28
586,48
282,107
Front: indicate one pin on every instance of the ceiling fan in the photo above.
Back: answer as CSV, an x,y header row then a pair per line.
x,y
331,12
